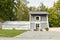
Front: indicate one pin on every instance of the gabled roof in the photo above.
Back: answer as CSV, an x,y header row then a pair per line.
x,y
38,12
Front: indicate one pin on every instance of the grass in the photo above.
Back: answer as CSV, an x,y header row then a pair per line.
x,y
11,33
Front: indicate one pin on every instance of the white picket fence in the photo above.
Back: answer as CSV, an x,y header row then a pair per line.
x,y
18,25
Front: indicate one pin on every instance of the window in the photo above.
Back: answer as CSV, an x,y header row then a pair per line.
x,y
37,18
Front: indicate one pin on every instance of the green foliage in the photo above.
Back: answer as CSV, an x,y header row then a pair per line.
x,y
54,15
11,33
39,8
22,11
33,9
43,7
57,5
47,29
6,10
11,10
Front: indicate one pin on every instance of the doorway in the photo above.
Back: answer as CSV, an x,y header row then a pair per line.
x,y
37,27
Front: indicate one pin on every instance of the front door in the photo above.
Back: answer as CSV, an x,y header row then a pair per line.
x,y
37,27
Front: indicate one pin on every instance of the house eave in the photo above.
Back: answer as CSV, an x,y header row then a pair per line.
x,y
38,12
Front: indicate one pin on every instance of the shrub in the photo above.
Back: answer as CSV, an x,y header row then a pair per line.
x,y
0,28
34,29
13,28
46,29
41,30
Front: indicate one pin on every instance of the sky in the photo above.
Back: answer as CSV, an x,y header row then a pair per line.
x,y
36,3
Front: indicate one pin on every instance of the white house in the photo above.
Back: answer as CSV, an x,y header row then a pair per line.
x,y
38,20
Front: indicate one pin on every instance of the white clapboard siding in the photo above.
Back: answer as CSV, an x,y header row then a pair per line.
x,y
18,25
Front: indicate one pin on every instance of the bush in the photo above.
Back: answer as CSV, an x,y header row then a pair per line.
x,y
34,29
0,28
41,30
13,28
46,29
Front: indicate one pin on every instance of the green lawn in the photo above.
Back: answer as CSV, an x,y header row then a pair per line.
x,y
10,33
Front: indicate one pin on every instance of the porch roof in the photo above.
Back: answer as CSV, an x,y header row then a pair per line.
x,y
38,12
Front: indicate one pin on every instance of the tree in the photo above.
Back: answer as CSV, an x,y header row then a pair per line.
x,y
22,10
53,17
32,9
43,7
11,10
57,6
6,10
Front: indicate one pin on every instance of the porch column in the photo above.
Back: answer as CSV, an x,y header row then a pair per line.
x,y
47,22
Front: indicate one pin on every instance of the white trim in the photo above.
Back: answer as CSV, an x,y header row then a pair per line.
x,y
47,22
39,21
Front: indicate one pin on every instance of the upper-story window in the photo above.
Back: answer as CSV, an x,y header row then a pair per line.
x,y
37,18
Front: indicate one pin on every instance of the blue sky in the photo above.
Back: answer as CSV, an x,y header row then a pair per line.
x,y
47,3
